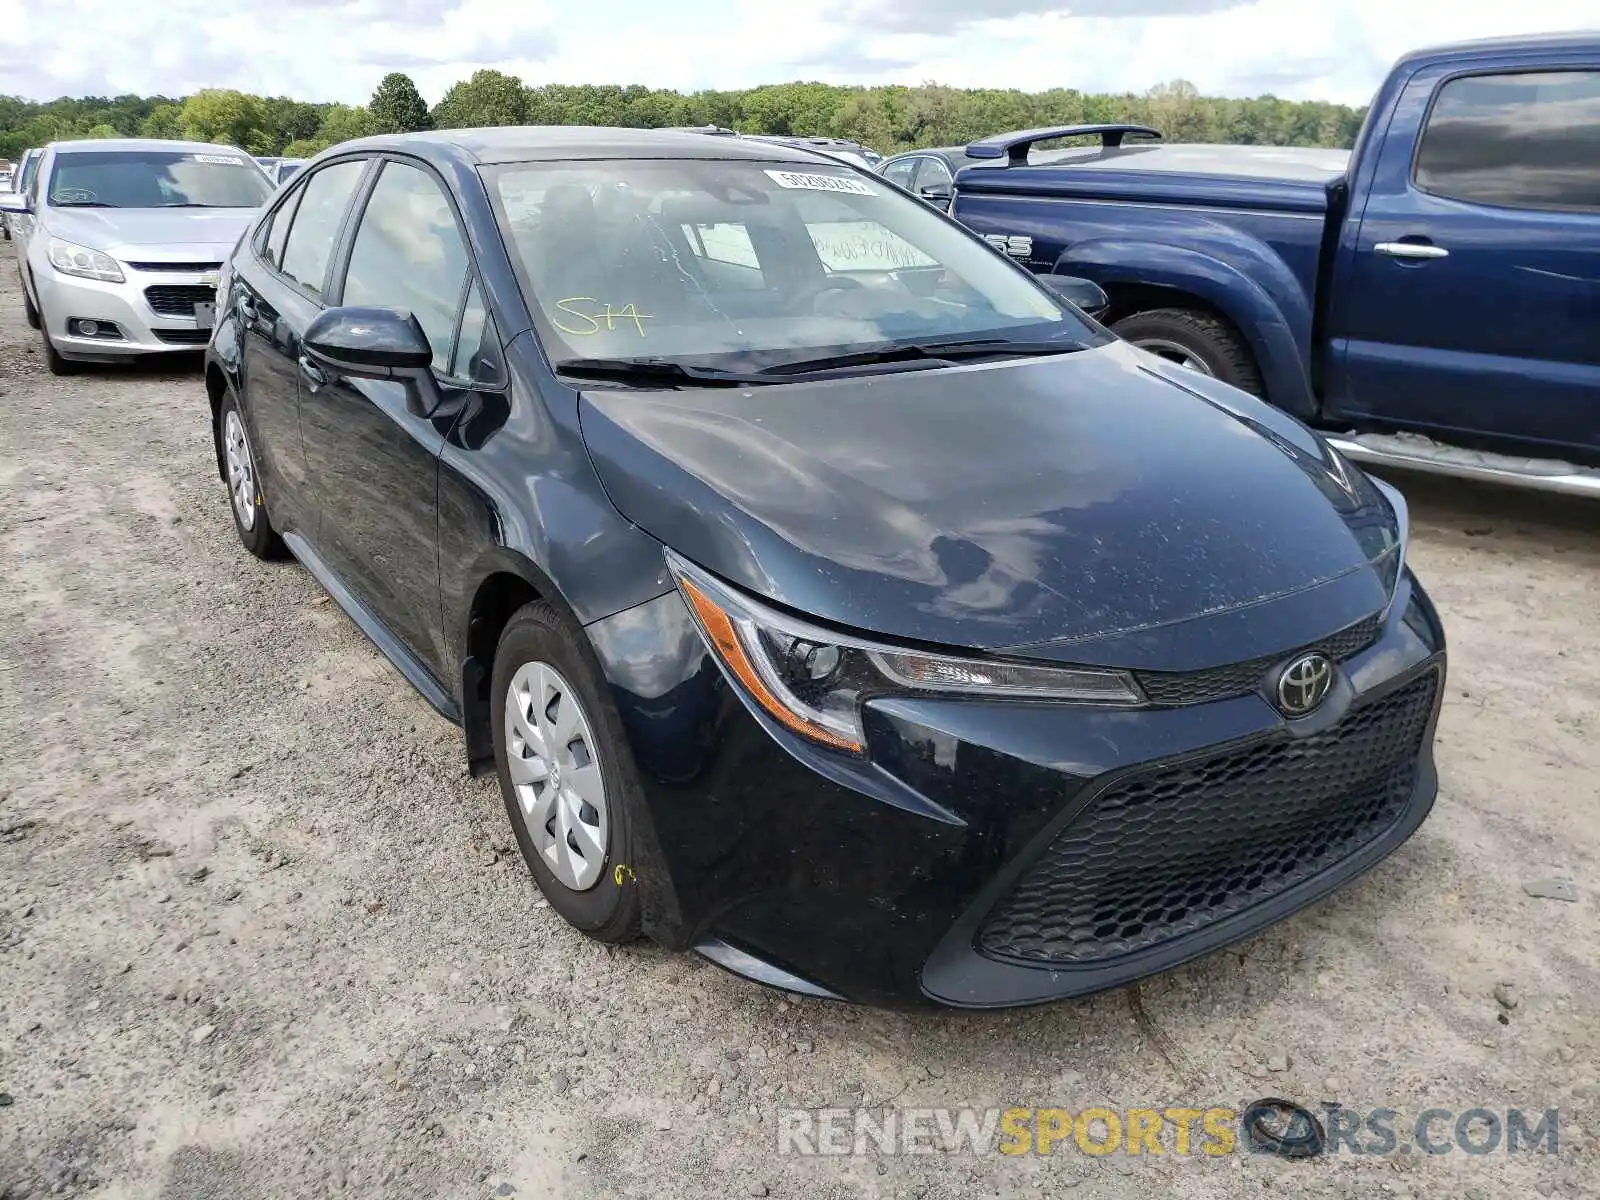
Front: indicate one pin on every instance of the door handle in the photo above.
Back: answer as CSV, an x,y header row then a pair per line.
x,y
1411,250
313,374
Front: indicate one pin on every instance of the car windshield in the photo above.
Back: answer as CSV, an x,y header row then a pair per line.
x,y
754,264
157,179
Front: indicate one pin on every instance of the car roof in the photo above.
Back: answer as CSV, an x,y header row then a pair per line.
x,y
555,143
100,144
955,155
1490,47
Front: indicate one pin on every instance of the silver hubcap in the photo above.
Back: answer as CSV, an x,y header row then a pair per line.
x,y
556,776
241,469
1174,353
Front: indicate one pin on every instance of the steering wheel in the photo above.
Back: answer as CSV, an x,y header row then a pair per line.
x,y
831,283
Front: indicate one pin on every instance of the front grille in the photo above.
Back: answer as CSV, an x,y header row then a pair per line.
x,y
1163,854
177,268
178,300
1240,679
184,337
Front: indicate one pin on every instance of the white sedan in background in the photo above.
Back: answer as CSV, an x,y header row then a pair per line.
x,y
128,237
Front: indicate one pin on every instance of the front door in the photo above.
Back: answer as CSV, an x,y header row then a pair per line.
x,y
1471,301
277,291
372,452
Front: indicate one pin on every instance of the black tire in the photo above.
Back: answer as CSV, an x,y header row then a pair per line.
x,y
1210,339
609,909
28,310
258,536
52,357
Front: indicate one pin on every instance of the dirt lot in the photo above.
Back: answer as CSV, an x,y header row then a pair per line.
x,y
260,936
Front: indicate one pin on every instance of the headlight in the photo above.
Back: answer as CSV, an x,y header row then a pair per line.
x,y
83,262
814,681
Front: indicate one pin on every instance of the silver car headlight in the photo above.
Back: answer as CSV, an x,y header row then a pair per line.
x,y
813,681
71,259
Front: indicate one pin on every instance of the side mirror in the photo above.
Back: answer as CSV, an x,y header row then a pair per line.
x,y
1084,293
375,343
14,202
937,194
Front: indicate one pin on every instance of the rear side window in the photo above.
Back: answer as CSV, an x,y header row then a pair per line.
x,y
315,227
1530,140
408,253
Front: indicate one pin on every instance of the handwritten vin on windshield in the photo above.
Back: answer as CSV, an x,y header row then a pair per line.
x,y
599,316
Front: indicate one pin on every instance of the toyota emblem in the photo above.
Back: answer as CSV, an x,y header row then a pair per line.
x,y
1304,684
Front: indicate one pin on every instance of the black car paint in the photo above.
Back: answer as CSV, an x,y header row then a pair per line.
x,y
1049,527
851,872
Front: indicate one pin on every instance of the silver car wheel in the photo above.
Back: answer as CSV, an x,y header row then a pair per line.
x,y
555,773
1174,353
241,469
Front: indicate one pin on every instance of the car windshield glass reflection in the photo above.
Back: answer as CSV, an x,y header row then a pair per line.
x,y
766,262
156,179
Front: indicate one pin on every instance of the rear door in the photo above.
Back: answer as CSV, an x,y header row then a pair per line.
x,y
1471,303
279,288
372,456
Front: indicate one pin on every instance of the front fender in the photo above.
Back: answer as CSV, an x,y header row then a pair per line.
x,y
1274,318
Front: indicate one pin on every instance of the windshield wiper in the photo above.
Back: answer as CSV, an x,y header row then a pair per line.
x,y
197,204
932,352
661,372
82,204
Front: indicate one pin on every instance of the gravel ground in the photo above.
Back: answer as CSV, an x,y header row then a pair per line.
x,y
261,936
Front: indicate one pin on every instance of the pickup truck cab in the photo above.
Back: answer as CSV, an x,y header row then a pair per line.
x,y
1432,297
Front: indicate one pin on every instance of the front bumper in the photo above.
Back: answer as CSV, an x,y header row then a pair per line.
x,y
1000,853
128,306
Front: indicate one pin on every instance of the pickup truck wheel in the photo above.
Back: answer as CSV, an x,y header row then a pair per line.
x,y
1195,340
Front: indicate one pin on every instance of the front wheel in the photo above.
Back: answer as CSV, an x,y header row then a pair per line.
x,y
53,361
1195,340
566,775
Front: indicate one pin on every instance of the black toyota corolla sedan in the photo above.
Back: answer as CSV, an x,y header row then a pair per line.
x,y
829,595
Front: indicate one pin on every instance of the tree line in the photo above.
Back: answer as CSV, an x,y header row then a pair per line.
x,y
889,119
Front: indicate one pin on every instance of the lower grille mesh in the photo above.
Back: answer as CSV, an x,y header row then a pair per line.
x,y
1167,853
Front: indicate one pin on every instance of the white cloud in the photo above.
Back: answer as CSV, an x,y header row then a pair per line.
x,y
338,49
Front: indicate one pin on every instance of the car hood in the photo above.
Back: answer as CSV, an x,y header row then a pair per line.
x,y
1096,507
153,234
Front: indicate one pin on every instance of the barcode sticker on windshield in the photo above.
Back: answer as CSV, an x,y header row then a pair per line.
x,y
820,183
226,159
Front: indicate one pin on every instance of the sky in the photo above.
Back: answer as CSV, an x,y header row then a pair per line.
x,y
338,49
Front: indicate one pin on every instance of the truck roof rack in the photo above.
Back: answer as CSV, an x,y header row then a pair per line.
x,y
1014,147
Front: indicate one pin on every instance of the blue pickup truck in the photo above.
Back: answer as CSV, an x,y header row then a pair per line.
x,y
1430,298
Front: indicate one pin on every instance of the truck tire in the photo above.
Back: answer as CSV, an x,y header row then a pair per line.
x,y
1196,340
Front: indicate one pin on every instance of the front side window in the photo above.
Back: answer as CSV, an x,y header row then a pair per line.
x,y
315,227
901,172
471,337
277,231
765,262
408,253
1515,141
935,174
155,179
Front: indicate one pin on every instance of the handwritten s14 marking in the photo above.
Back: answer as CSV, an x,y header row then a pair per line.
x,y
597,317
